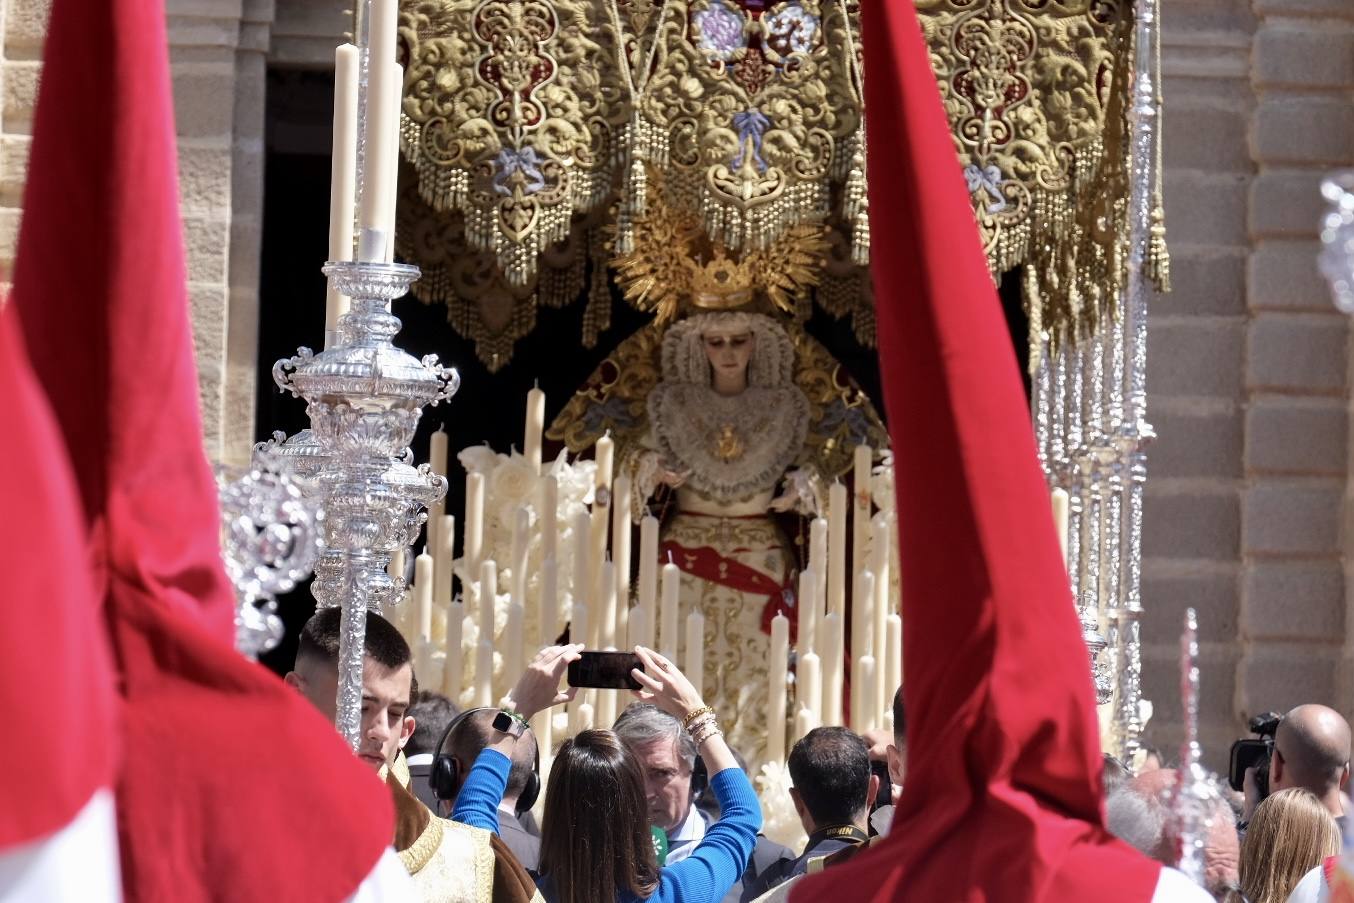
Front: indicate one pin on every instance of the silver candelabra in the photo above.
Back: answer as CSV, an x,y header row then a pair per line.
x,y
364,397
1090,412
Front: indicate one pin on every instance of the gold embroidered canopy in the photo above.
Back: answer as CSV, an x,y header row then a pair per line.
x,y
542,135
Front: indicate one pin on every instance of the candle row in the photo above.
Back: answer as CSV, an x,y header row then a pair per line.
x,y
595,603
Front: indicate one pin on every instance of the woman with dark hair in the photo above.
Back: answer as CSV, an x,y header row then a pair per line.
x,y
595,840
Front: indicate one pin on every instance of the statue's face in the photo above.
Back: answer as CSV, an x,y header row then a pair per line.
x,y
729,351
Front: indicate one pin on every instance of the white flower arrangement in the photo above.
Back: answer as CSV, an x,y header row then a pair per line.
x,y
780,822
511,486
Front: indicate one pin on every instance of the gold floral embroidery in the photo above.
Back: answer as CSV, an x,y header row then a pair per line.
x,y
1036,94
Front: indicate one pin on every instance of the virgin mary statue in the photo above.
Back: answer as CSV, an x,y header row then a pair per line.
x,y
729,418
728,423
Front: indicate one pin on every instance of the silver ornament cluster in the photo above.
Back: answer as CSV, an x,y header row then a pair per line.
x,y
270,541
364,397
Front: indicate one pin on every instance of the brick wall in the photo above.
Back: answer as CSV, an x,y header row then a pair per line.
x,y
1248,365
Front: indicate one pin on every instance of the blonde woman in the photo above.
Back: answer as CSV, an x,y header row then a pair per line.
x,y
1289,834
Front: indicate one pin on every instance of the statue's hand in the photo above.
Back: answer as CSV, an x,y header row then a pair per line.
x,y
672,478
802,493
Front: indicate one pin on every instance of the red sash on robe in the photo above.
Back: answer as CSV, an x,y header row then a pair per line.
x,y
707,563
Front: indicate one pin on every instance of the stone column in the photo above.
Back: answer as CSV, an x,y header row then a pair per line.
x,y
246,228
1293,625
217,53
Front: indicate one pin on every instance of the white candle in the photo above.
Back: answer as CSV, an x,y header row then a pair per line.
x,y
439,624
581,589
809,686
601,508
1059,501
862,641
866,717
639,629
521,533
580,719
488,599
879,564
606,708
423,595
403,620
895,584
513,644
474,524
861,507
549,619
535,428
605,455
620,553
832,669
808,610
437,462
893,658
443,556
453,668
648,565
775,704
805,721
836,552
605,629
391,193
549,517
668,636
578,624
695,651
342,174
382,117
818,554
484,673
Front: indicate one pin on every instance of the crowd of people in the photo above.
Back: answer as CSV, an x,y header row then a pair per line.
x,y
1277,842
659,807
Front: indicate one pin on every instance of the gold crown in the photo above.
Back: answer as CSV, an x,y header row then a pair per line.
x,y
721,284
665,271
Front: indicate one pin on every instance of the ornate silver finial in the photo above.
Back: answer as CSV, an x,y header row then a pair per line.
x,y
364,397
1096,644
1195,799
270,540
1337,238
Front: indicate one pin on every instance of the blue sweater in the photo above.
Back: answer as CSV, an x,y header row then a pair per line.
x,y
703,877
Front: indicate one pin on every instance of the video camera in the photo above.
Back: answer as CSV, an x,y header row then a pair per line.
x,y
1254,753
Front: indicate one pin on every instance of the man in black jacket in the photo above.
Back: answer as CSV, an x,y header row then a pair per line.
x,y
832,792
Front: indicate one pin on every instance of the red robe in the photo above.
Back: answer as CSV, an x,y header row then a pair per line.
x,y
1002,799
230,786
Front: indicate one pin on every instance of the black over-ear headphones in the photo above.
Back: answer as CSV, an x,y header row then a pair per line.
x,y
445,775
700,778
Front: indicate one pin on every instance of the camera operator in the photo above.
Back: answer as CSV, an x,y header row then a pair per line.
x,y
1311,751
1250,757
1307,748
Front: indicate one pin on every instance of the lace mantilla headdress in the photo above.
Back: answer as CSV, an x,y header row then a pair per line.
x,y
773,354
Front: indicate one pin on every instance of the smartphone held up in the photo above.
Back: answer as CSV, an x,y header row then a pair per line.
x,y
605,670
